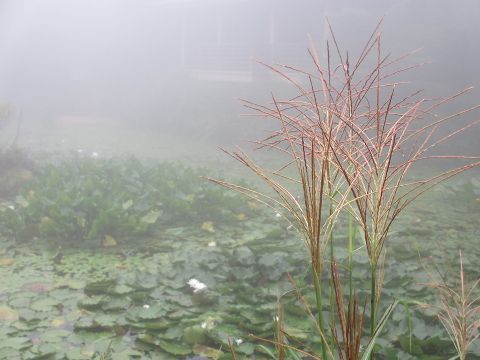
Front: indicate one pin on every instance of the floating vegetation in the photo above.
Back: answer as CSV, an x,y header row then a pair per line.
x,y
104,200
138,298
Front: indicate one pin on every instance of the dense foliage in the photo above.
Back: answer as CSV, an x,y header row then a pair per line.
x,y
134,300
85,198
16,167
136,296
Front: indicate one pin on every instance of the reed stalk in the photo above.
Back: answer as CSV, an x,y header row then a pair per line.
x,y
351,321
352,145
459,311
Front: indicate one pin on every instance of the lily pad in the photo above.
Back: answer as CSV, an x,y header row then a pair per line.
x,y
7,262
194,335
115,304
54,335
30,315
146,313
45,304
8,314
105,321
38,287
93,302
206,351
99,287
151,217
17,343
175,349
153,325
122,289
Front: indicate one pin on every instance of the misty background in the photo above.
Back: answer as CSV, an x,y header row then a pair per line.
x,y
165,76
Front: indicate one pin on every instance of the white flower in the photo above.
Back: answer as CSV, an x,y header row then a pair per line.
x,y
212,244
196,285
208,324
11,207
94,154
79,151
238,341
146,306
277,215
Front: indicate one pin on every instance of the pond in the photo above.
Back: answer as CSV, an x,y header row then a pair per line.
x,y
115,259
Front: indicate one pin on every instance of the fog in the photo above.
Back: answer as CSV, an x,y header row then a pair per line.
x,y
107,256
136,74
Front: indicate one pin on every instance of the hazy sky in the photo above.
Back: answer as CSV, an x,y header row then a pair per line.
x,y
171,62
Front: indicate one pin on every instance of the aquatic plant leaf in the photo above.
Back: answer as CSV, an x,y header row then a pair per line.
x,y
99,287
7,261
9,353
40,351
245,348
92,302
8,314
17,343
153,325
78,354
223,332
21,201
109,241
146,313
44,304
151,217
272,259
121,289
29,315
169,347
208,226
127,204
115,304
296,333
58,322
174,349
71,283
194,335
38,287
243,256
208,352
54,335
105,320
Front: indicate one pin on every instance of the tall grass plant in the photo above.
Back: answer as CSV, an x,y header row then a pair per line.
x,y
351,143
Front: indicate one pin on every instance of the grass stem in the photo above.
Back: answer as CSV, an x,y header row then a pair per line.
x,y
373,304
318,297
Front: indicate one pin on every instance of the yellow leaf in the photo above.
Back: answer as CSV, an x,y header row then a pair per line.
x,y
7,262
208,226
253,205
206,351
8,314
109,241
58,322
241,217
189,198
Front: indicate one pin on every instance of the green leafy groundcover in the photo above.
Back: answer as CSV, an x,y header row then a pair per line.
x,y
84,198
134,301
